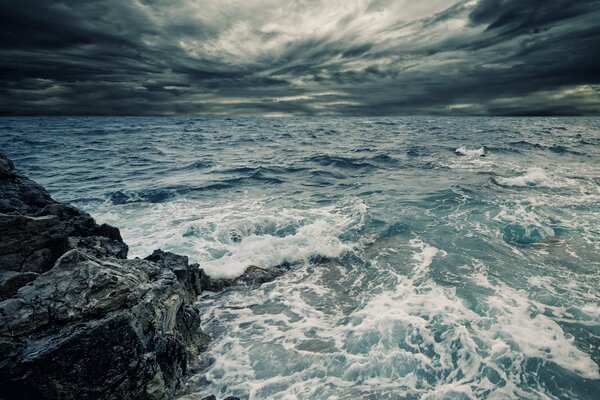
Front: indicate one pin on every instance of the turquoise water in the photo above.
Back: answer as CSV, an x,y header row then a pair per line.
x,y
430,258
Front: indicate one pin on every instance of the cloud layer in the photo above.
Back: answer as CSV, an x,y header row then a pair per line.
x,y
280,57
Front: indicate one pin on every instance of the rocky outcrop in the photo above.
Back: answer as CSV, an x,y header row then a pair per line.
x,y
252,276
77,319
36,230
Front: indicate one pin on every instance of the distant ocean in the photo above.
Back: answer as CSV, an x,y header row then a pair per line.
x,y
431,258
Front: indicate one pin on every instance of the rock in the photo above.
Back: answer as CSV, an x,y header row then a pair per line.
x,y
77,319
6,167
11,282
195,276
252,276
93,327
36,230
257,276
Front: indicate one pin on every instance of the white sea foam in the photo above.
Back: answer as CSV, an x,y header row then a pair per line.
x,y
462,150
227,238
309,339
470,159
318,238
536,176
532,177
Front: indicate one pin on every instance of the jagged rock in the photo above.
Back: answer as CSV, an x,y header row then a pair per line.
x,y
36,230
11,282
192,274
6,166
257,276
213,397
252,276
99,328
80,321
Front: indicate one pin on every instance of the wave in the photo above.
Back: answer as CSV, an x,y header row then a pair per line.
x,y
535,177
201,164
341,162
408,334
418,151
162,195
463,151
261,170
227,238
554,148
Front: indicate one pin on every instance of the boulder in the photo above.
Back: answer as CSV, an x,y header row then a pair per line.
x,y
36,230
252,276
77,319
12,281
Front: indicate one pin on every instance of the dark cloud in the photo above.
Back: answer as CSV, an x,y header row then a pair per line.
x,y
378,57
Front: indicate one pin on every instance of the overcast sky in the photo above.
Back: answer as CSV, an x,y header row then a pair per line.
x,y
300,57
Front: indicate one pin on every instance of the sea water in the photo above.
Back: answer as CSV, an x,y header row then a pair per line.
x,y
429,257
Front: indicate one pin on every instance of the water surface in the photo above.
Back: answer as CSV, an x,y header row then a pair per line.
x,y
430,257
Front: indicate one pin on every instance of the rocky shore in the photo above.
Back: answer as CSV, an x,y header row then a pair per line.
x,y
78,320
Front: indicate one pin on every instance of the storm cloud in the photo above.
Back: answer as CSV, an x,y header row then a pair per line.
x,y
290,57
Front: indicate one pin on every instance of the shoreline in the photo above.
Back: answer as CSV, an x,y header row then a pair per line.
x,y
78,319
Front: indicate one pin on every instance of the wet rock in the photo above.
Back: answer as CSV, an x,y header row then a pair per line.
x,y
99,327
252,276
257,276
77,319
213,397
6,166
192,274
35,230
12,281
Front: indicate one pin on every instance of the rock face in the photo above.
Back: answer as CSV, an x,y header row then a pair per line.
x,y
37,230
77,319
252,276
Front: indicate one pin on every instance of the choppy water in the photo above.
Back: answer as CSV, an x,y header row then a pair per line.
x,y
420,269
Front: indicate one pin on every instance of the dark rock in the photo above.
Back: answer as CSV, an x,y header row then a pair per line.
x,y
35,230
77,319
6,167
257,276
211,397
99,328
252,276
99,246
11,282
193,275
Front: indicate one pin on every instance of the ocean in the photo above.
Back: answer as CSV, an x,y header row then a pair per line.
x,y
428,257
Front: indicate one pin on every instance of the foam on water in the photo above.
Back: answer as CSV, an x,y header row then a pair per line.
x,y
415,337
535,176
228,237
462,150
420,269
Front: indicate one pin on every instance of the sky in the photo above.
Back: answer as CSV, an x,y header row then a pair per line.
x,y
300,57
